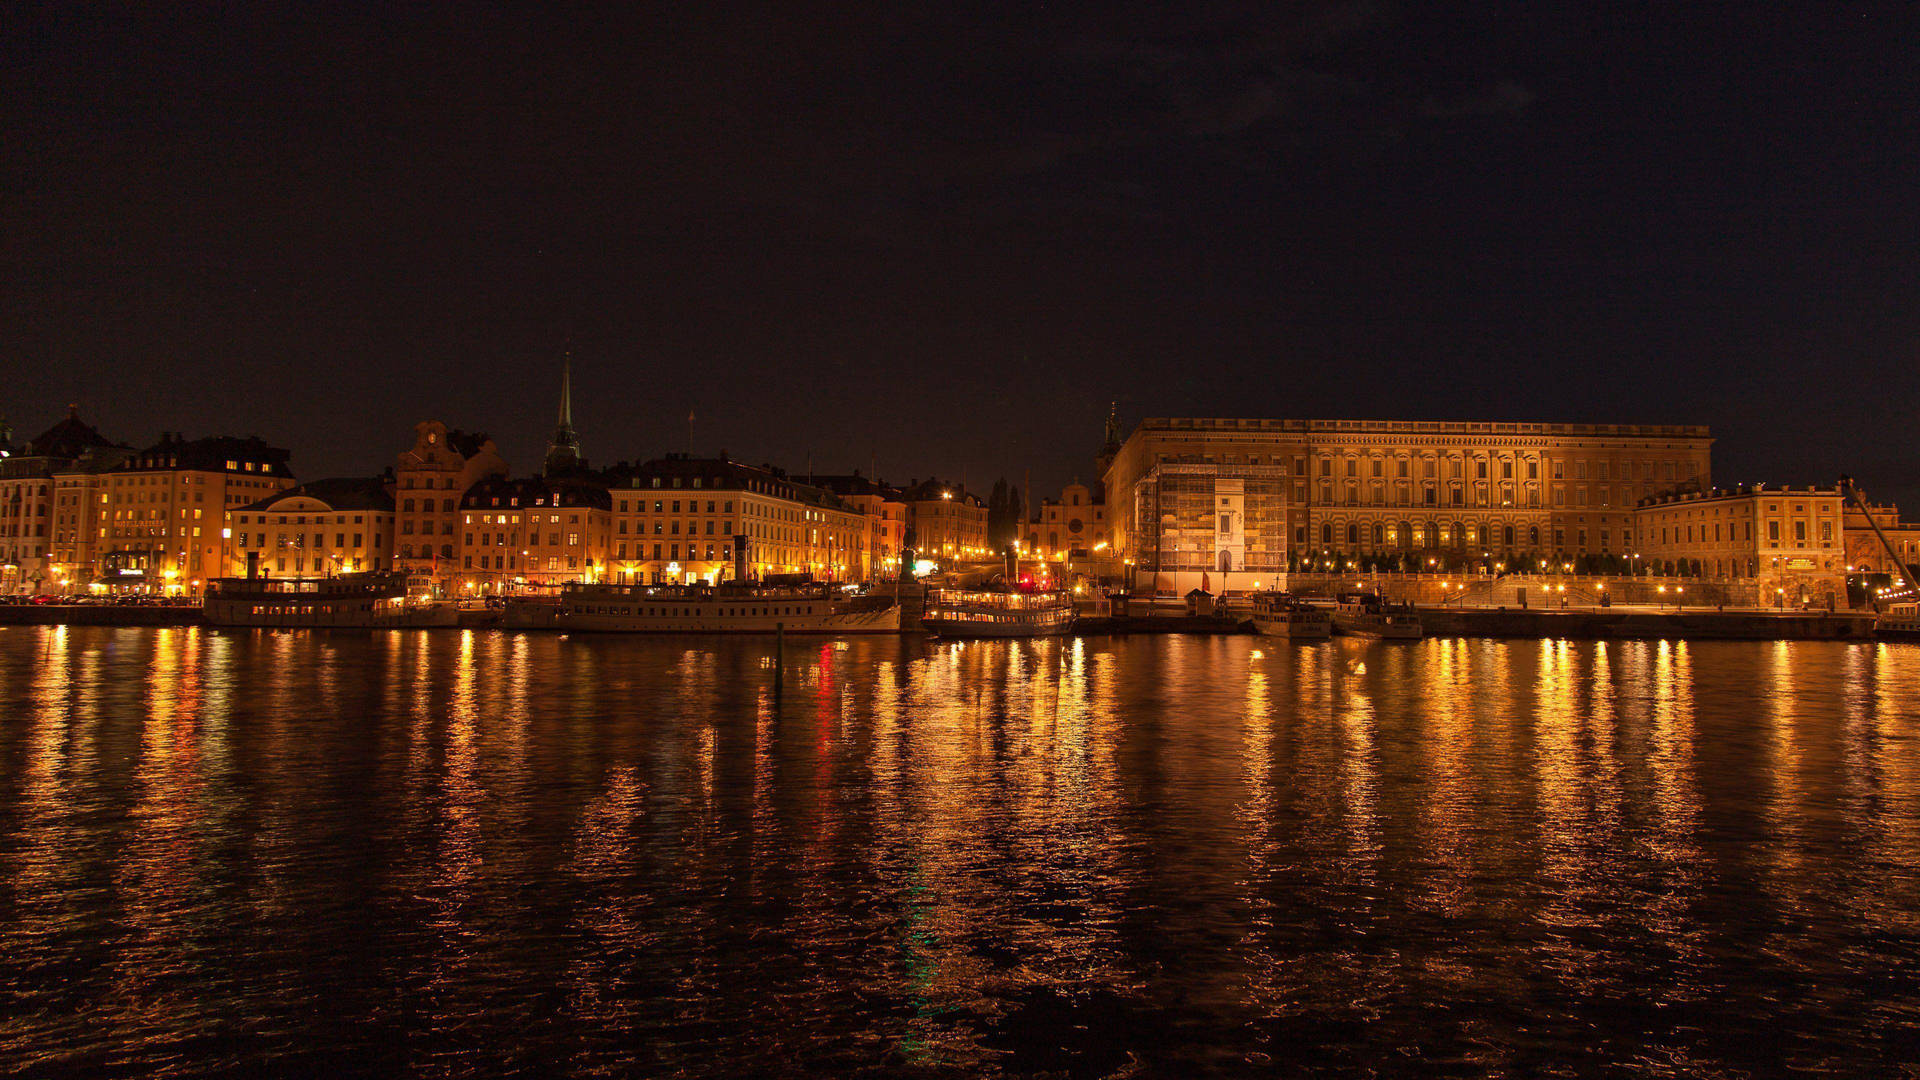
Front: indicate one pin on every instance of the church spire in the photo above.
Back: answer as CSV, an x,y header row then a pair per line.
x,y
564,452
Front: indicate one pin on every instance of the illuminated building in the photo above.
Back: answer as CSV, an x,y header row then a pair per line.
x,y
1075,523
1864,552
532,533
886,518
431,478
317,529
948,522
680,519
1789,539
38,518
1188,496
159,513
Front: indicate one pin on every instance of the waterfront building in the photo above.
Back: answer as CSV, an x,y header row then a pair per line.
x,y
1193,496
161,511
431,479
681,519
533,533
886,515
948,521
36,515
1864,551
1790,540
317,529
1075,524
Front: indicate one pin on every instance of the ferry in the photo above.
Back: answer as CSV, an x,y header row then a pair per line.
x,y
989,613
375,598
705,609
1281,614
1366,615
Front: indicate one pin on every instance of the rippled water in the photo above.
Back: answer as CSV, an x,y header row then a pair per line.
x,y
451,853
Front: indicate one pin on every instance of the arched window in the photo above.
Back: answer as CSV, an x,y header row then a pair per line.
x,y
1433,535
1353,534
1326,532
1378,534
1533,536
1507,535
1406,535
1460,535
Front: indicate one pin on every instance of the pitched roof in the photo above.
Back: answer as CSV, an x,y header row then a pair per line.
x,y
69,438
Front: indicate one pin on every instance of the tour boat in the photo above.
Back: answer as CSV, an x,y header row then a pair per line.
x,y
1900,623
726,608
1282,615
372,599
1366,615
987,613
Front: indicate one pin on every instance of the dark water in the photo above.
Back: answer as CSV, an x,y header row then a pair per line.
x,y
450,853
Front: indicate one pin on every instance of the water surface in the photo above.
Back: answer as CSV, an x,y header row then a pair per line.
x,y
454,853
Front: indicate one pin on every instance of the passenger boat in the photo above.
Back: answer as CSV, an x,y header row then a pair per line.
x,y
991,613
1900,623
705,609
1366,615
1281,614
372,599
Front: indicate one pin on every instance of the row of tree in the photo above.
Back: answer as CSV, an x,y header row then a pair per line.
x,y
1006,515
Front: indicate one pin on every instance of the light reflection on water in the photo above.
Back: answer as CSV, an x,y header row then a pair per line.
x,y
472,852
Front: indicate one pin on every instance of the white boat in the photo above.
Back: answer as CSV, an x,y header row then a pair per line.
x,y
1901,622
372,599
1366,615
1279,614
703,609
987,613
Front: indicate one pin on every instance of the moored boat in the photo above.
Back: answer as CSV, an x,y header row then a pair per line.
x,y
991,613
701,609
1280,614
372,599
1366,615
1901,622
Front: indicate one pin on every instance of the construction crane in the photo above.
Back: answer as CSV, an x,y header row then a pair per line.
x,y
1849,491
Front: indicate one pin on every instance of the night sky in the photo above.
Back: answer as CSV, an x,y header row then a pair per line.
x,y
942,237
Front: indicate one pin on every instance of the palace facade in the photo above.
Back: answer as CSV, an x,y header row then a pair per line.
x,y
1193,496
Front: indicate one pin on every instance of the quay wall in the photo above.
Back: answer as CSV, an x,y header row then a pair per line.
x,y
96,615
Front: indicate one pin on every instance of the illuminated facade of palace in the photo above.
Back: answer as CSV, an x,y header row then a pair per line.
x,y
1193,496
1791,539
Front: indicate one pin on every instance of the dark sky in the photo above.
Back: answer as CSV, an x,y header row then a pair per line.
x,y
943,237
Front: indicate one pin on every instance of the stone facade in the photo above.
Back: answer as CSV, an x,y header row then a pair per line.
x,y
534,533
1791,540
431,478
154,520
948,522
681,519
37,518
318,529
1194,496
1074,524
